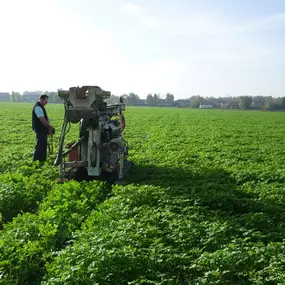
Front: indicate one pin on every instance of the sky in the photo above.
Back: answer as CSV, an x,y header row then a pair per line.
x,y
208,47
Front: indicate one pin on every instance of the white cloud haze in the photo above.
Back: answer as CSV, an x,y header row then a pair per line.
x,y
144,47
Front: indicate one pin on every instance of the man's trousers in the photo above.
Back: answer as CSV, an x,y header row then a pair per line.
x,y
40,152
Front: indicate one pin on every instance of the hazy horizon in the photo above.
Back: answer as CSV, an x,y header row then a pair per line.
x,y
226,48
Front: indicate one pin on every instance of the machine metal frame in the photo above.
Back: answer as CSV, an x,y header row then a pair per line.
x,y
101,146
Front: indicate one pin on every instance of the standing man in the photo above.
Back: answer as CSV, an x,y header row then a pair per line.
x,y
42,128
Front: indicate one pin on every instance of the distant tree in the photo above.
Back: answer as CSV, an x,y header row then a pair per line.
x,y
196,101
132,99
31,96
275,104
156,99
230,102
169,98
16,96
268,101
53,97
245,102
114,99
282,103
150,100
258,102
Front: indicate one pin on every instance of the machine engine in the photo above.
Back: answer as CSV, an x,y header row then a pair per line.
x,y
101,148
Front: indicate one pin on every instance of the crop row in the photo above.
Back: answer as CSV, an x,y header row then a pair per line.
x,y
30,240
204,204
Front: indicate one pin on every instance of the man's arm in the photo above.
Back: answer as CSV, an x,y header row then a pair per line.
x,y
45,122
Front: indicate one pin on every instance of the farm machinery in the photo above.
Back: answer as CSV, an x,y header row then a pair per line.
x,y
100,151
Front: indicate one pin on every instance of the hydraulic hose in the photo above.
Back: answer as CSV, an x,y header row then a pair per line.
x,y
61,141
50,144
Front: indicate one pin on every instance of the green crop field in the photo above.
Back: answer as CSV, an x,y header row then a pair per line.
x,y
204,204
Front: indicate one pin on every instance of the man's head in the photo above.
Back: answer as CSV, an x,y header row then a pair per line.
x,y
43,99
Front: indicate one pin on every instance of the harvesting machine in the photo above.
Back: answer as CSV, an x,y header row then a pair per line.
x,y
101,150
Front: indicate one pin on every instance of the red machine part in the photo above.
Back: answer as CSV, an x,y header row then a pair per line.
x,y
123,122
74,154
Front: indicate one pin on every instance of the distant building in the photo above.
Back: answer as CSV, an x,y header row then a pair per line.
x,y
140,102
181,103
206,106
5,97
164,105
230,105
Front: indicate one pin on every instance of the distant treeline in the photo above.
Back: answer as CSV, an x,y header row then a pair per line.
x,y
28,96
245,102
196,101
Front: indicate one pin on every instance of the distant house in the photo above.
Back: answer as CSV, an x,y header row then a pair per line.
x,y
230,105
181,103
140,102
164,105
206,106
5,97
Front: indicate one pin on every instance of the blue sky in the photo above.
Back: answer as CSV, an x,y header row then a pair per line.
x,y
212,48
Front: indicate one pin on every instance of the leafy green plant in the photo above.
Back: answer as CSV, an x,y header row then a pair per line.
x,y
30,240
20,193
204,204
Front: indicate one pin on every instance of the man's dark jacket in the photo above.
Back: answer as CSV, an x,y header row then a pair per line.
x,y
37,125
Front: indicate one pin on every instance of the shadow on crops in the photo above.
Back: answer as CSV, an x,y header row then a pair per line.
x,y
218,192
